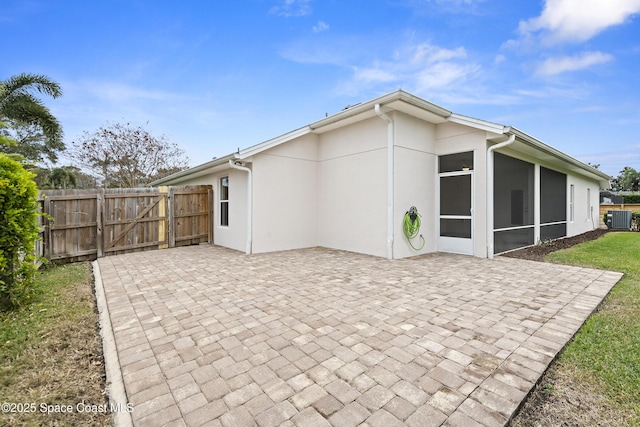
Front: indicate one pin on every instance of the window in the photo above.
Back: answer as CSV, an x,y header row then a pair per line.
x,y
572,209
224,201
513,190
553,204
455,162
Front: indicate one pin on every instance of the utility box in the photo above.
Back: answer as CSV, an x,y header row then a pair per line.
x,y
619,220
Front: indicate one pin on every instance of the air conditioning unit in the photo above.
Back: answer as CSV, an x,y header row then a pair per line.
x,y
619,220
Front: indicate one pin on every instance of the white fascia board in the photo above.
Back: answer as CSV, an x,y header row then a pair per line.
x,y
367,107
602,177
194,172
258,148
478,124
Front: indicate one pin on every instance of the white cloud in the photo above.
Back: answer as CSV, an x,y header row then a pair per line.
x,y
295,8
561,64
577,20
320,27
421,68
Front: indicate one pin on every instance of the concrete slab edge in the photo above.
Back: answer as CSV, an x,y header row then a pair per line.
x,y
615,278
115,383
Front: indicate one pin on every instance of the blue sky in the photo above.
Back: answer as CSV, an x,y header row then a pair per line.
x,y
213,76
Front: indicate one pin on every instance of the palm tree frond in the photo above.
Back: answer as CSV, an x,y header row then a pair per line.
x,y
22,83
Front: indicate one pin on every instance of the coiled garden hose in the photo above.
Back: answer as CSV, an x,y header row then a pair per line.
x,y
411,227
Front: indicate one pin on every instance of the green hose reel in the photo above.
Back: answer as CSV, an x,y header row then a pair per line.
x,y
411,227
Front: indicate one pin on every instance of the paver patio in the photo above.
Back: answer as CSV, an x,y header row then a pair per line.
x,y
319,337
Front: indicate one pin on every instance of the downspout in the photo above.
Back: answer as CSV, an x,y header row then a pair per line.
x,y
490,151
233,165
390,163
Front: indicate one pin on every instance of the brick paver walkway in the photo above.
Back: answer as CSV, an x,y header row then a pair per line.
x,y
318,337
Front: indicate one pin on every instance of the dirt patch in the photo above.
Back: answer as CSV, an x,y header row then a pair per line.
x,y
58,377
539,251
564,398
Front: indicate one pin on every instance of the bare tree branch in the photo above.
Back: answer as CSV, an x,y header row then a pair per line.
x,y
121,155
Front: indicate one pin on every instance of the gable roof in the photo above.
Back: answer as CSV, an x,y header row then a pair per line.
x,y
407,103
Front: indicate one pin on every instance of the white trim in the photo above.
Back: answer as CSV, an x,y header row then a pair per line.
x,y
238,165
390,177
553,223
572,203
459,245
518,227
477,123
490,195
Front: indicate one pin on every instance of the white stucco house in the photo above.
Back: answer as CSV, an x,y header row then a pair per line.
x,y
347,181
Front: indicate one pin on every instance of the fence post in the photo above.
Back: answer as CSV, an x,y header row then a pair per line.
x,y
99,216
163,226
172,224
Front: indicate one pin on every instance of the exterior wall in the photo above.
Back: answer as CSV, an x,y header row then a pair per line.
x,y
415,182
454,138
352,188
586,209
233,236
285,208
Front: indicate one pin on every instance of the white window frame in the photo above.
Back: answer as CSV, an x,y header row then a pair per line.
x,y
224,201
572,203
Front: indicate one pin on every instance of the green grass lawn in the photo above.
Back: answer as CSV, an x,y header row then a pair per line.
x,y
606,350
51,353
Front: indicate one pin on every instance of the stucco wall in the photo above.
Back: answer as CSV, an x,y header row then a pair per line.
x,y
352,189
415,182
234,235
285,196
586,209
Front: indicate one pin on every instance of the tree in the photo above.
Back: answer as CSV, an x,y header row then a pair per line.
x,y
28,121
62,178
628,180
18,232
121,155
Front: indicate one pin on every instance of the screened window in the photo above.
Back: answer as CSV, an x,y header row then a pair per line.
x,y
512,239
553,204
513,191
455,162
224,201
553,196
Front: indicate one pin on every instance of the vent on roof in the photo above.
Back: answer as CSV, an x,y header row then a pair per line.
x,y
619,220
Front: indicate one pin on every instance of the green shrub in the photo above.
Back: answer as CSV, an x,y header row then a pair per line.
x,y
18,232
630,199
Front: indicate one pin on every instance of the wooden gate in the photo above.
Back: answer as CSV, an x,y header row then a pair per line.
x,y
85,224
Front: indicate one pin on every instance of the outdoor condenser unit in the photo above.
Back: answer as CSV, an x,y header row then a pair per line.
x,y
619,220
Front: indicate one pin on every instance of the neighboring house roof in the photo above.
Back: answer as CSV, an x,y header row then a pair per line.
x,y
412,105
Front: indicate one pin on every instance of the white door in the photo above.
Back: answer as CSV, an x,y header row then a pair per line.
x,y
456,212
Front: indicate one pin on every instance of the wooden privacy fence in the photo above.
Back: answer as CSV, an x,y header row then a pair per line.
x,y
83,224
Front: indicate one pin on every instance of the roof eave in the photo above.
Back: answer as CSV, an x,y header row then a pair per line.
x,y
602,177
194,171
398,95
